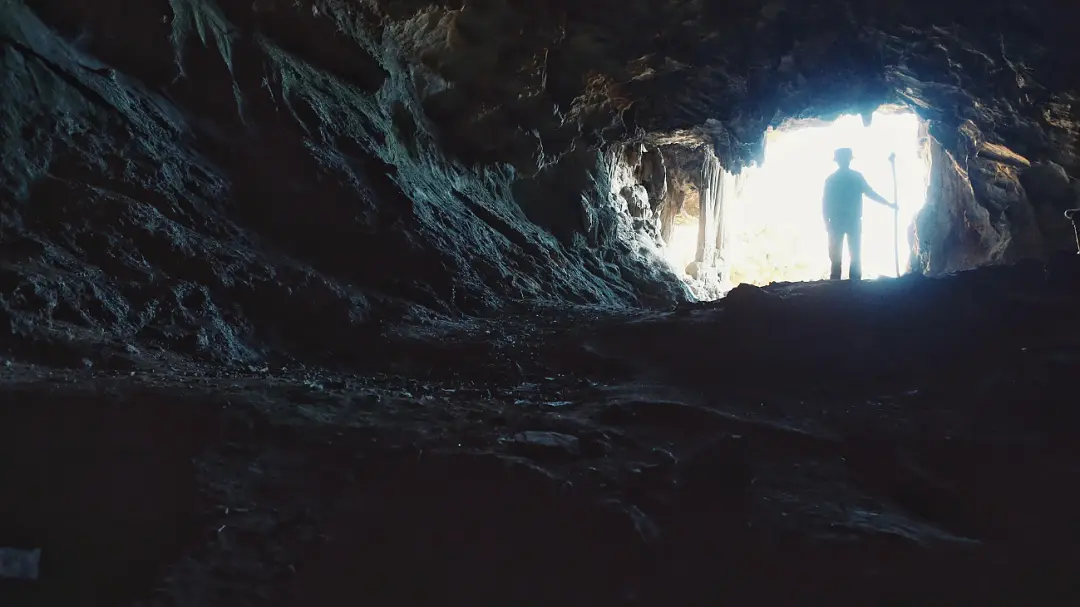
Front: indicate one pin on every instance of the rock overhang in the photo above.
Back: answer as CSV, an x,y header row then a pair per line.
x,y
674,71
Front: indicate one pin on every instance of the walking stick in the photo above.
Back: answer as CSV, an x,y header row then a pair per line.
x,y
1072,215
896,214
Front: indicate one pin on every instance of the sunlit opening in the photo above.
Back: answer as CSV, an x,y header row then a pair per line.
x,y
777,232
772,229
684,236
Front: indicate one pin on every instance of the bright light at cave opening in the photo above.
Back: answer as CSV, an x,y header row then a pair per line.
x,y
776,232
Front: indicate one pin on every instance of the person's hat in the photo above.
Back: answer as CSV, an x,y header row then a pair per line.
x,y
843,154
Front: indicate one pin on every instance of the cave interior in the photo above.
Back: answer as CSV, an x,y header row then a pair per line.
x,y
492,302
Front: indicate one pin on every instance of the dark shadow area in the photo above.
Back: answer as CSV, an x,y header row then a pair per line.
x,y
103,486
474,530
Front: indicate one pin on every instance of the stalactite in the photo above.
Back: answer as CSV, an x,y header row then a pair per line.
x,y
672,205
729,191
719,189
711,199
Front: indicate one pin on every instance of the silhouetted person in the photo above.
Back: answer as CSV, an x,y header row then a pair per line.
x,y
842,207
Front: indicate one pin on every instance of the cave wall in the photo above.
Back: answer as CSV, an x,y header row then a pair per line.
x,y
1051,191
683,165
223,178
953,231
639,173
987,204
636,185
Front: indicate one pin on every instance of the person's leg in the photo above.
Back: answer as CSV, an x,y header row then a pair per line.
x,y
836,252
855,251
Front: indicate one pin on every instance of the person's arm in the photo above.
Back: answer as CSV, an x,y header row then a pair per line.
x,y
872,195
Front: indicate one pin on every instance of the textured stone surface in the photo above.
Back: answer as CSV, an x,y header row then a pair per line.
x,y
199,176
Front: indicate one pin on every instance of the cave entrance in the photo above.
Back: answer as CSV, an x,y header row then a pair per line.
x,y
774,230
682,235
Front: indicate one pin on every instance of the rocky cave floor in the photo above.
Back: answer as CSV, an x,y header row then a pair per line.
x,y
872,443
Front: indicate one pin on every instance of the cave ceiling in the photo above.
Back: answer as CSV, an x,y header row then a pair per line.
x,y
549,76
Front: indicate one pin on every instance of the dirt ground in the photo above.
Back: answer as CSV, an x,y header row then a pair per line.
x,y
888,442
